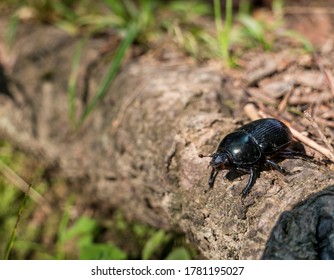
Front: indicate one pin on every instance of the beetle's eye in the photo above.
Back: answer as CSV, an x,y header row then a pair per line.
x,y
219,160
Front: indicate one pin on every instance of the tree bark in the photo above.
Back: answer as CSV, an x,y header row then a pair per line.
x,y
138,151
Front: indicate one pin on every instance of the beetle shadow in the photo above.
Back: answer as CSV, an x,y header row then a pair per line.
x,y
232,175
297,147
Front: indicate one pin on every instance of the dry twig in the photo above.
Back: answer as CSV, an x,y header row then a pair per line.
x,y
17,181
309,117
285,100
308,10
327,74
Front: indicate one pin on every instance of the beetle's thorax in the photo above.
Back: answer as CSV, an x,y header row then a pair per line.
x,y
220,160
241,147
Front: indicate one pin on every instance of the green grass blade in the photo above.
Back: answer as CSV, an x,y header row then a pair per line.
x,y
218,19
224,33
302,39
13,235
244,7
227,29
146,15
253,26
131,8
255,30
73,79
11,30
65,11
62,227
112,71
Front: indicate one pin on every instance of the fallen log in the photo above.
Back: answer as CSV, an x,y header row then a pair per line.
x,y
138,151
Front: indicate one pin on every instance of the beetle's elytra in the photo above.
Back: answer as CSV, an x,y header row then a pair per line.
x,y
251,146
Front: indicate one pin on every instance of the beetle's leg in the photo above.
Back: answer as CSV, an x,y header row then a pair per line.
x,y
278,167
296,154
252,177
213,176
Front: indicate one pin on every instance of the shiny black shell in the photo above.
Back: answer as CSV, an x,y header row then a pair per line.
x,y
249,143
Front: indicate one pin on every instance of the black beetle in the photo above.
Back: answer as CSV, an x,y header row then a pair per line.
x,y
252,146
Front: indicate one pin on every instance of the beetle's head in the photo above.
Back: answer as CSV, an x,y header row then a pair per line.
x,y
219,161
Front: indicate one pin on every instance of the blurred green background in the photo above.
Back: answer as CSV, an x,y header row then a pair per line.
x,y
68,229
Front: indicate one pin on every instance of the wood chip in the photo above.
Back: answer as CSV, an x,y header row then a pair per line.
x,y
277,89
268,68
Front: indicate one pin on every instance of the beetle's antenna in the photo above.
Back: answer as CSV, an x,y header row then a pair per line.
x,y
202,156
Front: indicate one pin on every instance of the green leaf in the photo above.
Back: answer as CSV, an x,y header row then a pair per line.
x,y
180,253
101,252
154,244
83,227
